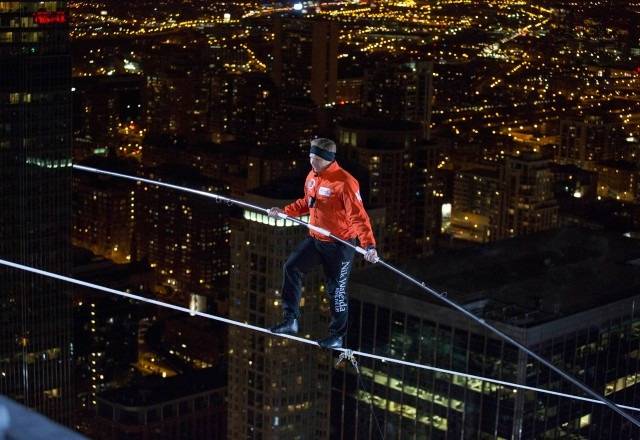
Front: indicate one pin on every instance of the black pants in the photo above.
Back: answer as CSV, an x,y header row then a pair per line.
x,y
336,259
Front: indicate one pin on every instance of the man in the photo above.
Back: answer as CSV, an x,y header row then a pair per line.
x,y
332,198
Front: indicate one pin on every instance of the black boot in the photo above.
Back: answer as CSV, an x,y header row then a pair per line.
x,y
288,327
331,342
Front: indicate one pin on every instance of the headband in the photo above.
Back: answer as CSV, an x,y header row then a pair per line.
x,y
326,155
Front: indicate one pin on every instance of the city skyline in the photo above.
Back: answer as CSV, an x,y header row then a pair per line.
x,y
497,146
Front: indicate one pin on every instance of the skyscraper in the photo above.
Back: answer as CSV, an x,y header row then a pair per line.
x,y
35,191
104,210
478,204
586,326
530,206
277,388
402,91
385,151
305,59
586,140
184,237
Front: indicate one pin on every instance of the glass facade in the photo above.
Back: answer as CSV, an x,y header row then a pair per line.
x,y
35,190
418,404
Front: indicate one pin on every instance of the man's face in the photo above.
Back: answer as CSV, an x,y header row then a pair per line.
x,y
317,163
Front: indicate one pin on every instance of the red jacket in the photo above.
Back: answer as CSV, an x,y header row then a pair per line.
x,y
337,206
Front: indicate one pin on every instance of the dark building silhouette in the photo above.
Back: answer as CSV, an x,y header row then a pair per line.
x,y
35,200
184,237
586,140
105,329
386,152
305,59
190,405
581,325
400,91
104,210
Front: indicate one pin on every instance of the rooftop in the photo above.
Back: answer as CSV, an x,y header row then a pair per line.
x,y
544,276
154,390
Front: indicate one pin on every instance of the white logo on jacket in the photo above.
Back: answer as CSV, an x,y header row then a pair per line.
x,y
324,191
311,183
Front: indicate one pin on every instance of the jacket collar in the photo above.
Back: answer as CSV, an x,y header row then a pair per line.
x,y
330,169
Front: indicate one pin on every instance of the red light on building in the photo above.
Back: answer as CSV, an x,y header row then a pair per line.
x,y
638,69
46,17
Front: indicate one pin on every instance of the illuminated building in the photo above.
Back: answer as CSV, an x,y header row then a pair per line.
x,y
184,237
305,59
277,388
530,202
349,90
385,151
271,163
433,192
580,326
478,203
243,106
35,205
585,141
178,92
517,198
293,125
186,406
101,105
618,180
104,210
400,91
105,329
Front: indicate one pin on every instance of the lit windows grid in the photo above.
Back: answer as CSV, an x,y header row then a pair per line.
x,y
423,404
277,387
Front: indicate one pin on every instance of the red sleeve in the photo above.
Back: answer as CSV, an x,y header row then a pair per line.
x,y
356,214
299,207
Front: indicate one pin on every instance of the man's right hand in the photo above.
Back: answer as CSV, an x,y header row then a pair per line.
x,y
273,212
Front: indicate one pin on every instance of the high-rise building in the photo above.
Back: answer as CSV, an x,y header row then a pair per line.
x,y
266,165
586,140
305,59
385,153
587,327
517,197
35,195
277,388
400,91
478,204
530,202
178,91
241,107
433,194
105,329
293,125
104,210
184,237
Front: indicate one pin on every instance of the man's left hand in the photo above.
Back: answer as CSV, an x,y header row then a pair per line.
x,y
371,256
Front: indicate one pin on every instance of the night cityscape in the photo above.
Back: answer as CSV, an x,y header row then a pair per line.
x,y
155,186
